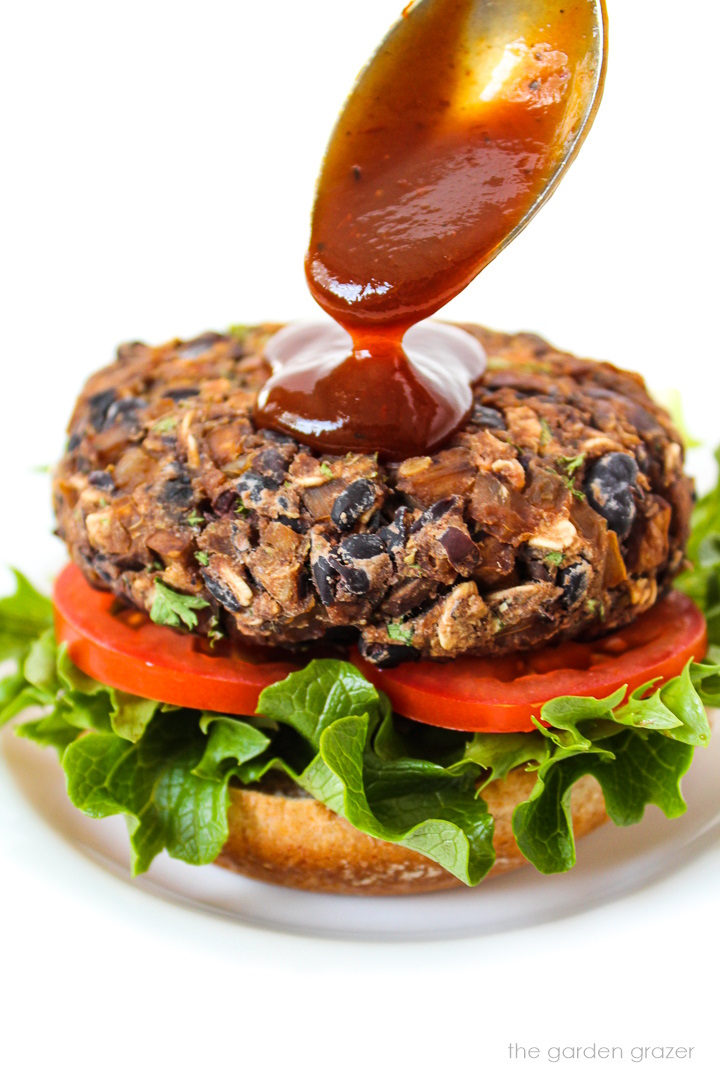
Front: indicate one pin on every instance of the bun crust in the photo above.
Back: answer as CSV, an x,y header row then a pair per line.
x,y
299,843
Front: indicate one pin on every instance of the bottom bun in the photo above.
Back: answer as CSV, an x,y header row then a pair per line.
x,y
295,841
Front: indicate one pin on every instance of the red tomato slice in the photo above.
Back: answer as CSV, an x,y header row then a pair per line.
x,y
131,653
128,651
502,693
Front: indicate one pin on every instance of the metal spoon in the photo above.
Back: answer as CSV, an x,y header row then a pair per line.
x,y
455,134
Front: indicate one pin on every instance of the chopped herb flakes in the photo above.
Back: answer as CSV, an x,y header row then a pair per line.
x,y
398,632
596,608
553,558
170,608
162,427
571,465
546,434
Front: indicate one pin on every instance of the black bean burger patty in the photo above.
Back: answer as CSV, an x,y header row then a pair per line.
x,y
561,510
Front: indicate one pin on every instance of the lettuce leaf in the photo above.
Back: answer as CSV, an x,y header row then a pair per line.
x,y
153,782
702,582
633,769
427,808
415,803
169,771
23,617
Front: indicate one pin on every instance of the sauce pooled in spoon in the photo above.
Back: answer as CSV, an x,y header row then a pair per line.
x,y
455,132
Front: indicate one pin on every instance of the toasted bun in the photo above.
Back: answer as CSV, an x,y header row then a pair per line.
x,y
298,842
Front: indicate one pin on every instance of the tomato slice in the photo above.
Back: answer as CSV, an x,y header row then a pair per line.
x,y
128,651
499,694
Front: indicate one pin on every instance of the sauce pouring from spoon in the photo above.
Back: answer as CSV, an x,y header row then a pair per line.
x,y
455,133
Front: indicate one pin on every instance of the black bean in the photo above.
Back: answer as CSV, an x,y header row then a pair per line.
x,y
102,480
324,577
73,442
303,585
221,592
99,565
441,507
609,488
410,596
537,569
353,578
251,485
123,410
395,535
272,463
462,553
278,437
292,523
131,563
340,635
386,654
235,350
352,503
99,405
573,581
226,502
177,492
485,417
190,350
361,546
181,392
435,512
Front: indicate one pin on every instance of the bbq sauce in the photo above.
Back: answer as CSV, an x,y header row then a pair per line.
x,y
444,146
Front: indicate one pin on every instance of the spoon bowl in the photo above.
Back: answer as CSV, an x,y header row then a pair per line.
x,y
456,132
492,28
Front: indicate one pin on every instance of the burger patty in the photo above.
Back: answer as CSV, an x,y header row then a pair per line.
x,y
559,511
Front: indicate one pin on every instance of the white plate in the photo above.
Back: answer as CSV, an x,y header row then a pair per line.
x,y
612,863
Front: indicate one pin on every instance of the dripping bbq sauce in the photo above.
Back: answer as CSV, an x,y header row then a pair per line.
x,y
433,162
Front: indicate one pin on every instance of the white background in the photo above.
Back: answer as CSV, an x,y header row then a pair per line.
x,y
157,178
